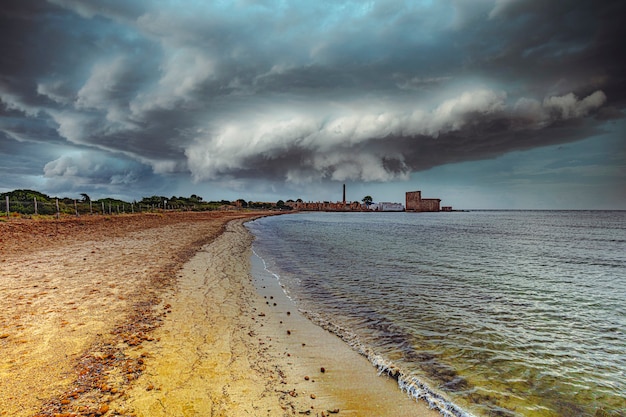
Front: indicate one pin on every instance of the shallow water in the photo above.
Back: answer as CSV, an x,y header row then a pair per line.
x,y
515,313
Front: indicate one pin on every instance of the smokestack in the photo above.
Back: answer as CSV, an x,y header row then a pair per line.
x,y
344,194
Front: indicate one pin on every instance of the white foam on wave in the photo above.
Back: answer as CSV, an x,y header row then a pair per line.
x,y
409,384
275,275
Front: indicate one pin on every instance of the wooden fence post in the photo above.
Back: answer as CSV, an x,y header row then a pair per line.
x,y
76,208
7,206
35,200
90,207
58,212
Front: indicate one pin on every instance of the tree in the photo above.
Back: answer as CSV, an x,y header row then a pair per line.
x,y
280,204
25,195
155,199
367,200
86,198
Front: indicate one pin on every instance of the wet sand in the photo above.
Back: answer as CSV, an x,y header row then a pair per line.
x,y
158,315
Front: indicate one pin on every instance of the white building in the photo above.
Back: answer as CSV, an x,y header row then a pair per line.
x,y
386,206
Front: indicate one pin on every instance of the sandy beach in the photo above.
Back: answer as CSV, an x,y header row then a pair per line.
x,y
159,315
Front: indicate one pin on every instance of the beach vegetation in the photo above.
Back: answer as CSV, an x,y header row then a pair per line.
x,y
24,201
32,203
25,195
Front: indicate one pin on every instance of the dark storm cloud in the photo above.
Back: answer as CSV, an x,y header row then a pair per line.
x,y
302,91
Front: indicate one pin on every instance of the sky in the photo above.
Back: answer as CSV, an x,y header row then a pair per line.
x,y
507,104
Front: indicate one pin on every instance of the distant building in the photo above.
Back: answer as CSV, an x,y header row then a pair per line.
x,y
327,206
385,206
415,202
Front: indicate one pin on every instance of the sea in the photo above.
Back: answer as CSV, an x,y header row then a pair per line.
x,y
479,313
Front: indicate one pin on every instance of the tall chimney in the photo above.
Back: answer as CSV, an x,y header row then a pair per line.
x,y
344,194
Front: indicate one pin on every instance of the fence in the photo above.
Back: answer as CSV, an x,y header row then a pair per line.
x,y
58,207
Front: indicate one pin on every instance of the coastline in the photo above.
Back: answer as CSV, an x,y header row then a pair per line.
x,y
235,346
183,329
349,381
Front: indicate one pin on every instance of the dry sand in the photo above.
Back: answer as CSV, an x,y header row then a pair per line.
x,y
158,315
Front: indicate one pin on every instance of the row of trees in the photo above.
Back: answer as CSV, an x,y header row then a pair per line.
x,y
34,202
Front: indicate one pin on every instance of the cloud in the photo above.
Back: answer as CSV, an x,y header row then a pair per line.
x,y
302,92
501,7
57,91
568,106
13,101
345,143
92,168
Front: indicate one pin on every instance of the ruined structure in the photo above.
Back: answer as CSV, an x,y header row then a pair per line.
x,y
415,202
327,206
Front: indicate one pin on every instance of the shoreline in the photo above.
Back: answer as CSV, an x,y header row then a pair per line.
x,y
193,334
348,380
234,345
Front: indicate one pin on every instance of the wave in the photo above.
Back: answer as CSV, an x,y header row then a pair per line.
x,y
410,384
472,281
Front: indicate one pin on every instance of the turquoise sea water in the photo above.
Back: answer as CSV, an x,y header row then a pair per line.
x,y
486,313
